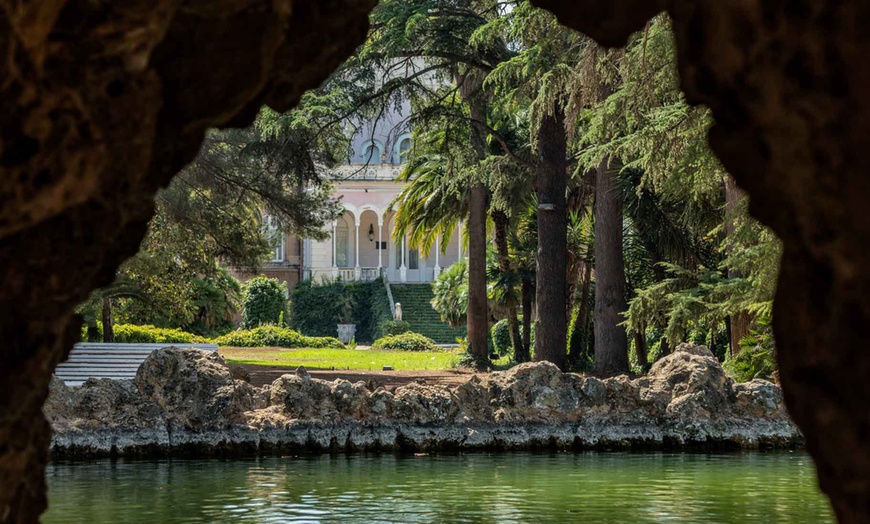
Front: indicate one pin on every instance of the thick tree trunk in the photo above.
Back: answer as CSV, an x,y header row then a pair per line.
x,y
477,311
611,343
108,321
551,333
527,293
739,323
501,221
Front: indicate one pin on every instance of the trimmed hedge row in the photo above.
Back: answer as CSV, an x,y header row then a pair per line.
x,y
317,308
263,336
147,334
274,336
406,342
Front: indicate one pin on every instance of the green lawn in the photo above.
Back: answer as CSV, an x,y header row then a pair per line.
x,y
359,359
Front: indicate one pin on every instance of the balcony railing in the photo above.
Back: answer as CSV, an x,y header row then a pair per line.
x,y
346,274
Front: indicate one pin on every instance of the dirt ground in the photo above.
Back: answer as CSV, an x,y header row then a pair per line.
x,y
261,375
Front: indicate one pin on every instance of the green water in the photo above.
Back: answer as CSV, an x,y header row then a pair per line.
x,y
563,487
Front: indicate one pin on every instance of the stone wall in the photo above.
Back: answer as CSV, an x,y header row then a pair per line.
x,y
185,401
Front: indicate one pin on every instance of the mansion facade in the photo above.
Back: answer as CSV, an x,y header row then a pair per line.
x,y
361,245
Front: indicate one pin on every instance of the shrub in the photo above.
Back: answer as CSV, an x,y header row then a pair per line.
x,y
757,357
501,337
394,327
450,294
406,342
265,302
500,334
133,334
274,336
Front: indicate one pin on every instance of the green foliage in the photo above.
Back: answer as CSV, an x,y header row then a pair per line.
x,y
757,357
217,298
147,334
97,326
405,342
450,292
394,327
265,302
501,337
319,308
274,336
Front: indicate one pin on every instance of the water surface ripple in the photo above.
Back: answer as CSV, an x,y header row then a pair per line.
x,y
561,487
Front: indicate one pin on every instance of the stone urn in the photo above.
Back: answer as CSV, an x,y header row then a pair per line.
x,y
346,332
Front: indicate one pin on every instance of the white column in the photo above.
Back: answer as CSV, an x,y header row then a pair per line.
x,y
334,258
437,253
403,270
459,240
380,236
356,271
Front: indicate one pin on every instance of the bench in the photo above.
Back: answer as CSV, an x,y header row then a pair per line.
x,y
110,360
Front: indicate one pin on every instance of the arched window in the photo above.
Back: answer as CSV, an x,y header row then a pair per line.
x,y
272,229
371,153
342,237
403,148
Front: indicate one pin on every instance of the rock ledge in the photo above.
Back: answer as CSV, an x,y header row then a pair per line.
x,y
186,401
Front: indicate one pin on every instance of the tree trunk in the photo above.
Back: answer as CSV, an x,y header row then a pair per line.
x,y
525,355
500,219
611,343
477,311
108,321
583,314
93,332
551,333
739,323
640,348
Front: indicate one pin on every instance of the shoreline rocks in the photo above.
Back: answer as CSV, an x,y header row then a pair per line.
x,y
186,401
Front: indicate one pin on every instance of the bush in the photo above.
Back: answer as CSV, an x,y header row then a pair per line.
x,y
274,336
501,337
406,342
394,327
450,294
133,334
265,302
757,357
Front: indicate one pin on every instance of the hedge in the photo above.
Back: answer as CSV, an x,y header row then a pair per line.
x,y
406,342
316,308
147,334
274,336
265,302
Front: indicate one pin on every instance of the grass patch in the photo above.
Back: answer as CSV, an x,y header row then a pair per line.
x,y
327,358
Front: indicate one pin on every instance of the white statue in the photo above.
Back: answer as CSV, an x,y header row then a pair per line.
x,y
398,312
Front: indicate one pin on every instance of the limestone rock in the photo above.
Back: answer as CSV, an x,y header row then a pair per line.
x,y
193,388
184,397
302,397
693,381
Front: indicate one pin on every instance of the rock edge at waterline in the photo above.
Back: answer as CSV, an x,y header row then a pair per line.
x,y
186,401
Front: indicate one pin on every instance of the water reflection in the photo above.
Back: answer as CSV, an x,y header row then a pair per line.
x,y
591,487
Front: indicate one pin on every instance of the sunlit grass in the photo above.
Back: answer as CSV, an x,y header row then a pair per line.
x,y
358,359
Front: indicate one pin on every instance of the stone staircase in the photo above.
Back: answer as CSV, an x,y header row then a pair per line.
x,y
418,312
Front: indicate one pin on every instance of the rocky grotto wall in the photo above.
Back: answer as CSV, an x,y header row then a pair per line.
x,y
102,102
186,401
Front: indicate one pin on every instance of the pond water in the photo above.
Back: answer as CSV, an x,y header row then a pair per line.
x,y
560,487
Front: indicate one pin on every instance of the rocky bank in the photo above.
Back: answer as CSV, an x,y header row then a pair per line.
x,y
186,401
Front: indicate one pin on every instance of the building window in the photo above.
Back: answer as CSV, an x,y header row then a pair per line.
x,y
371,153
404,149
341,244
275,236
